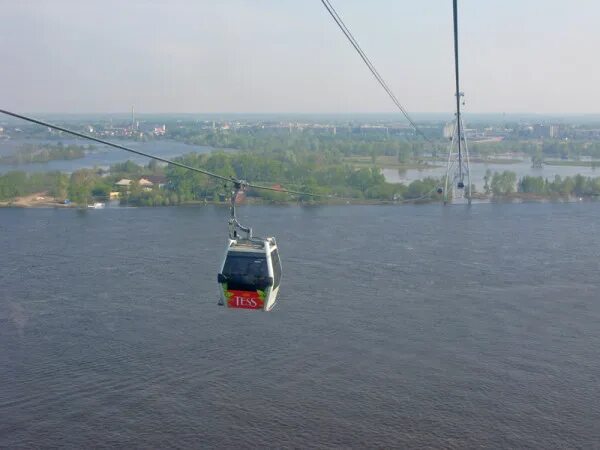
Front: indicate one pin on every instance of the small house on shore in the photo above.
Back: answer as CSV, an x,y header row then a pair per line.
x,y
123,183
146,182
154,180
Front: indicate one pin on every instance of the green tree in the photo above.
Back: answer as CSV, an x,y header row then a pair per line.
x,y
13,184
503,183
80,186
532,185
537,160
60,186
487,178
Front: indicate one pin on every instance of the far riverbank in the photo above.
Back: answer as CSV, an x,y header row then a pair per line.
x,y
42,200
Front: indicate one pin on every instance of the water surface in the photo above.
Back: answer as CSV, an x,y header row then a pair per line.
x,y
396,326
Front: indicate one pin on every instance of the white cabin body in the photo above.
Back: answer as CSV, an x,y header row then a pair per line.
x,y
250,274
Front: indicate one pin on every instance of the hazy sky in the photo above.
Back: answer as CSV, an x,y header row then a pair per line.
x,y
288,55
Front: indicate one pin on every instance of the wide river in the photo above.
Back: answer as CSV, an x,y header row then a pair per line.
x,y
411,326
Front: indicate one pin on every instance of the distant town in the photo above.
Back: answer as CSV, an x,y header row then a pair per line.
x,y
166,126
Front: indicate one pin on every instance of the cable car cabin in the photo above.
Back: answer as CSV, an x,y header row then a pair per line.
x,y
250,274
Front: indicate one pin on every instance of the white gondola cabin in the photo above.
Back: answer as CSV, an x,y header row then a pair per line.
x,y
250,274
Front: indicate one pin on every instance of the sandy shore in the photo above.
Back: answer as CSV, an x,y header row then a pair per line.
x,y
37,200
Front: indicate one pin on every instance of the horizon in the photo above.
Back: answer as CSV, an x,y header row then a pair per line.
x,y
387,116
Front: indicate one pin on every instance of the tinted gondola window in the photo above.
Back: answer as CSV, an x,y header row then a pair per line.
x,y
246,271
276,268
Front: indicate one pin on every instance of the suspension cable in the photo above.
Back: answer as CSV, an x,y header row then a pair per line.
x,y
340,23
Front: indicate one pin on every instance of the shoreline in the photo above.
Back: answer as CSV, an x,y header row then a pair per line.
x,y
26,203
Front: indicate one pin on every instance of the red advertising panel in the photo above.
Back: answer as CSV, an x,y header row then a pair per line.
x,y
244,299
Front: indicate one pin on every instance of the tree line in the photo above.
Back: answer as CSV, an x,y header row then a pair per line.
x,y
301,169
30,153
506,183
301,172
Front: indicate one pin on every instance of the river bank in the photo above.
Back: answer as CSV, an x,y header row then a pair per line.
x,y
42,200
36,200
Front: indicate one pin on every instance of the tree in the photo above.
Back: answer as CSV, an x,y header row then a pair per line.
x,y
487,178
128,167
580,187
403,154
101,188
422,189
60,188
537,160
532,185
503,183
80,186
12,184
363,179
153,166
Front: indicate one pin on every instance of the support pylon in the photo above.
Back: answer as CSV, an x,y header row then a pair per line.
x,y
458,184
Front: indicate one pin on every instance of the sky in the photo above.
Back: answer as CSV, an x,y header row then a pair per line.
x,y
270,56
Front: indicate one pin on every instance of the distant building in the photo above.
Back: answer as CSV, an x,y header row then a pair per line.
x,y
449,130
123,182
123,185
554,131
540,131
145,183
154,180
160,131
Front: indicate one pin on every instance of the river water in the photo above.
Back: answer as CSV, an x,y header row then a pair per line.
x,y
102,157
407,326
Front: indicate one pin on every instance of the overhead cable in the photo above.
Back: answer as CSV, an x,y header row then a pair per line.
x,y
458,94
340,23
